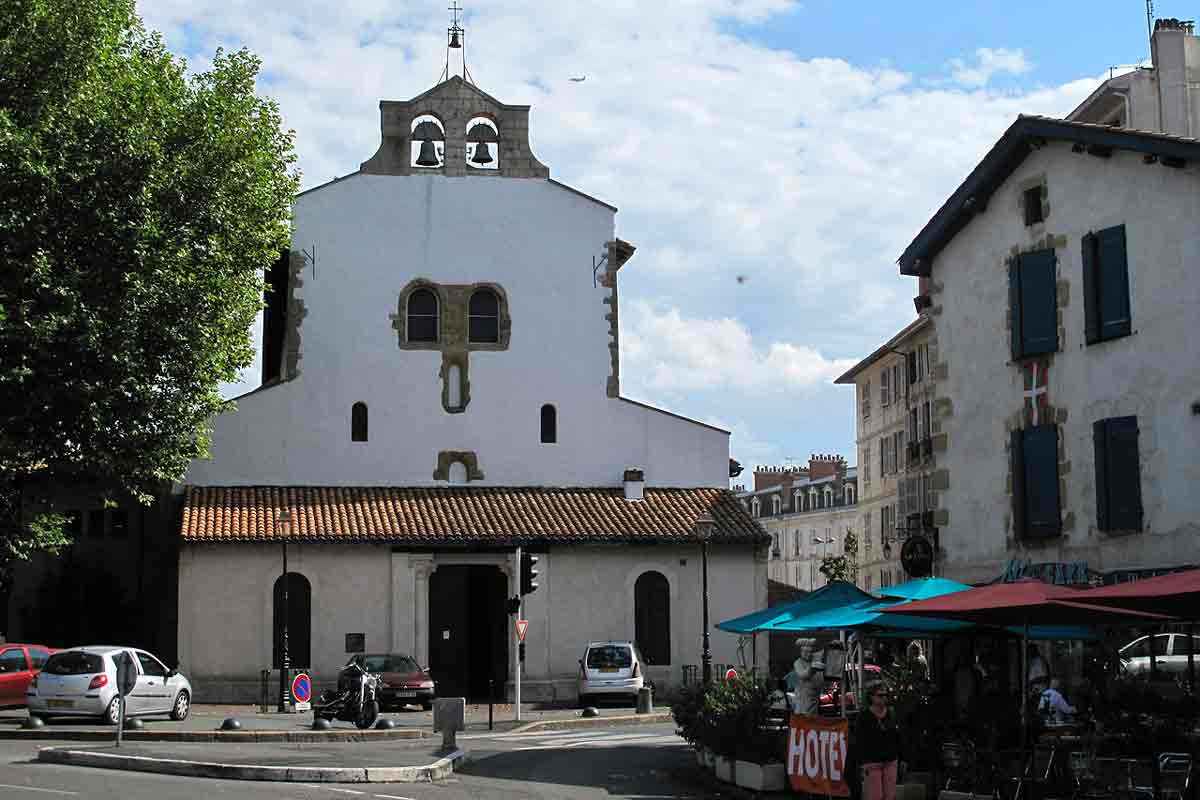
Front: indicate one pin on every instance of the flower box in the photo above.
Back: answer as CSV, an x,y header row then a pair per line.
x,y
761,777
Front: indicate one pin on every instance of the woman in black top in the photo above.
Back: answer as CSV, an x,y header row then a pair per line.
x,y
877,741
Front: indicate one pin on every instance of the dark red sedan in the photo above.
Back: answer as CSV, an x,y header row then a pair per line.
x,y
402,682
18,664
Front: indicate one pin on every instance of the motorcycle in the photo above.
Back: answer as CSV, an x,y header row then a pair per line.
x,y
355,700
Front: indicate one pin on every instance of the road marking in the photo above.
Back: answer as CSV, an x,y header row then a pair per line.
x,y
331,789
36,789
392,797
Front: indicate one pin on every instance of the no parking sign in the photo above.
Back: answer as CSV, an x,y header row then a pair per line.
x,y
301,691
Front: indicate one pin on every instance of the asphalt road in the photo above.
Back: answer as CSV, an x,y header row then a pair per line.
x,y
643,762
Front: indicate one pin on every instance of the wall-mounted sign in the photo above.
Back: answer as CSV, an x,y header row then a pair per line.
x,y
917,557
1074,573
356,643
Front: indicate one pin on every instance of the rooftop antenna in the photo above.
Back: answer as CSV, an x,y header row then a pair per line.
x,y
1150,24
456,39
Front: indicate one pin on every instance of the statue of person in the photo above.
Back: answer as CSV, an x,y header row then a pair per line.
x,y
806,681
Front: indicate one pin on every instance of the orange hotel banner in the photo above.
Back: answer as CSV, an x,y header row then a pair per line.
x,y
816,757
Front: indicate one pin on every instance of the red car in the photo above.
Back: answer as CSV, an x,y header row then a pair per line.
x,y
18,664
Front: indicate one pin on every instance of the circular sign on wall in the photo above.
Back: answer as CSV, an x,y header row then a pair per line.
x,y
301,688
917,557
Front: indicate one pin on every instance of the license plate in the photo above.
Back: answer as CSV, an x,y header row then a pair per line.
x,y
404,694
60,703
608,669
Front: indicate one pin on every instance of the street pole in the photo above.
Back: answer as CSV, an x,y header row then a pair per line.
x,y
706,655
520,615
282,521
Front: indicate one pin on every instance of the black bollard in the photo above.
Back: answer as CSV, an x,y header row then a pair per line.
x,y
491,698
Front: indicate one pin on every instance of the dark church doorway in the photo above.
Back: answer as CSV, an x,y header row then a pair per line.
x,y
299,607
468,630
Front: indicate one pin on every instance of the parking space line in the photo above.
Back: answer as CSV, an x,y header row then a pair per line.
x,y
392,797
331,789
37,789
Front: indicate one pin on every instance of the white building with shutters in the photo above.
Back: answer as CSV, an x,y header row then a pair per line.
x,y
1060,282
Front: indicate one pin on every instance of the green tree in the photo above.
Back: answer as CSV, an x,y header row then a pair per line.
x,y
842,567
139,207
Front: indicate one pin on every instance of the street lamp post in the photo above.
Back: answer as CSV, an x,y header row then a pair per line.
x,y
704,530
824,552
282,525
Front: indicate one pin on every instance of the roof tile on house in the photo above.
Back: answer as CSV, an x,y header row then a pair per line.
x,y
461,516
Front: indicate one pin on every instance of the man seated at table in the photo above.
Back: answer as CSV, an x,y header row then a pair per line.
x,y
1054,706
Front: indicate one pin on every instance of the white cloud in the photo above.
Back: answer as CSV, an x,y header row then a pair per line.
x,y
669,352
806,175
989,62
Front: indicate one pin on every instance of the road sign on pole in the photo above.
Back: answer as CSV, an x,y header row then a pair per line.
x,y
517,671
522,626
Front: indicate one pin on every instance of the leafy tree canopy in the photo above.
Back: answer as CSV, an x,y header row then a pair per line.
x,y
139,206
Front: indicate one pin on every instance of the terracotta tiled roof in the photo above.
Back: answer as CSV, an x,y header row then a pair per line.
x,y
461,515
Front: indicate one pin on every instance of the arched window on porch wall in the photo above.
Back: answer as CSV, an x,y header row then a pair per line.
x,y
652,617
299,621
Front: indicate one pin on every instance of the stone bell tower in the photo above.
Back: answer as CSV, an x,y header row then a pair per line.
x,y
462,115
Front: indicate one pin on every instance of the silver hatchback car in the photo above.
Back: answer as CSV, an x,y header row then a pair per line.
x,y
82,682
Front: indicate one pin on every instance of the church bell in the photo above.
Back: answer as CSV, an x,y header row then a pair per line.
x,y
455,42
482,154
428,155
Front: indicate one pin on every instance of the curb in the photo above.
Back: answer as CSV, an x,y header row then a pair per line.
x,y
594,722
438,770
226,737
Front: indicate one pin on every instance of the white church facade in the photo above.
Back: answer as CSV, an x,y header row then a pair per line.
x,y
441,386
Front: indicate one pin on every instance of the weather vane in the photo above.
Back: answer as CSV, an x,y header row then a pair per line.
x,y
456,39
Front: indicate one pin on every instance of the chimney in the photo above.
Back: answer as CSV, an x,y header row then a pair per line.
x,y
825,466
1176,56
635,485
770,477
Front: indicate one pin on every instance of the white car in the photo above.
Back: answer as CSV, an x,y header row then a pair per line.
x,y
82,682
1170,653
610,670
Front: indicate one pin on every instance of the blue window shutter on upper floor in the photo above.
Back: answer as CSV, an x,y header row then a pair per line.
x,y
1038,303
1091,288
1014,305
1124,475
1114,283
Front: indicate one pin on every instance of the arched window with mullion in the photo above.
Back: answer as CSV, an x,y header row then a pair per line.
x,y
422,316
483,316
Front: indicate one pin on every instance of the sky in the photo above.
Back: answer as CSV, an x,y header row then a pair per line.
x,y
799,145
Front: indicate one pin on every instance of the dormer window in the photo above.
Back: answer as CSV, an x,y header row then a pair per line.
x,y
422,316
755,507
775,504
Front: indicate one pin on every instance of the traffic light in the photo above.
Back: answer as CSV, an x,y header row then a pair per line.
x,y
528,573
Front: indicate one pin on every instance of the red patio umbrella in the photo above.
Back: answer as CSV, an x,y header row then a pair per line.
x,y
1177,594
1025,602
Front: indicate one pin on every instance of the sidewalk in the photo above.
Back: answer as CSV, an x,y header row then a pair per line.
x,y
326,762
203,723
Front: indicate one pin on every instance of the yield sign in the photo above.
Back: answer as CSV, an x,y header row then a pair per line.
x,y
522,626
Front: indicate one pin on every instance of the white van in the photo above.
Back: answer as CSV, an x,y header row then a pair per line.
x,y
610,670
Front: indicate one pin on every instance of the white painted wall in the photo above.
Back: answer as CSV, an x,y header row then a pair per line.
x,y
1152,374
586,593
372,235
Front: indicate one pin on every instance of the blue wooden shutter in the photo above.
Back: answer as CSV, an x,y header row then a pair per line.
x,y
1091,288
1014,304
1017,453
1124,475
1100,437
1114,283
1042,508
1039,303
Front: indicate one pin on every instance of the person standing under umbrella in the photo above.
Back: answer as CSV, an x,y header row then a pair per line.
x,y
877,742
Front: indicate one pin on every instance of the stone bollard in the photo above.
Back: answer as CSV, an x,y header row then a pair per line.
x,y
449,717
645,700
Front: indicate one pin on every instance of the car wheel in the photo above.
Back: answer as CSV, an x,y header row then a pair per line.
x,y
183,705
427,706
112,714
